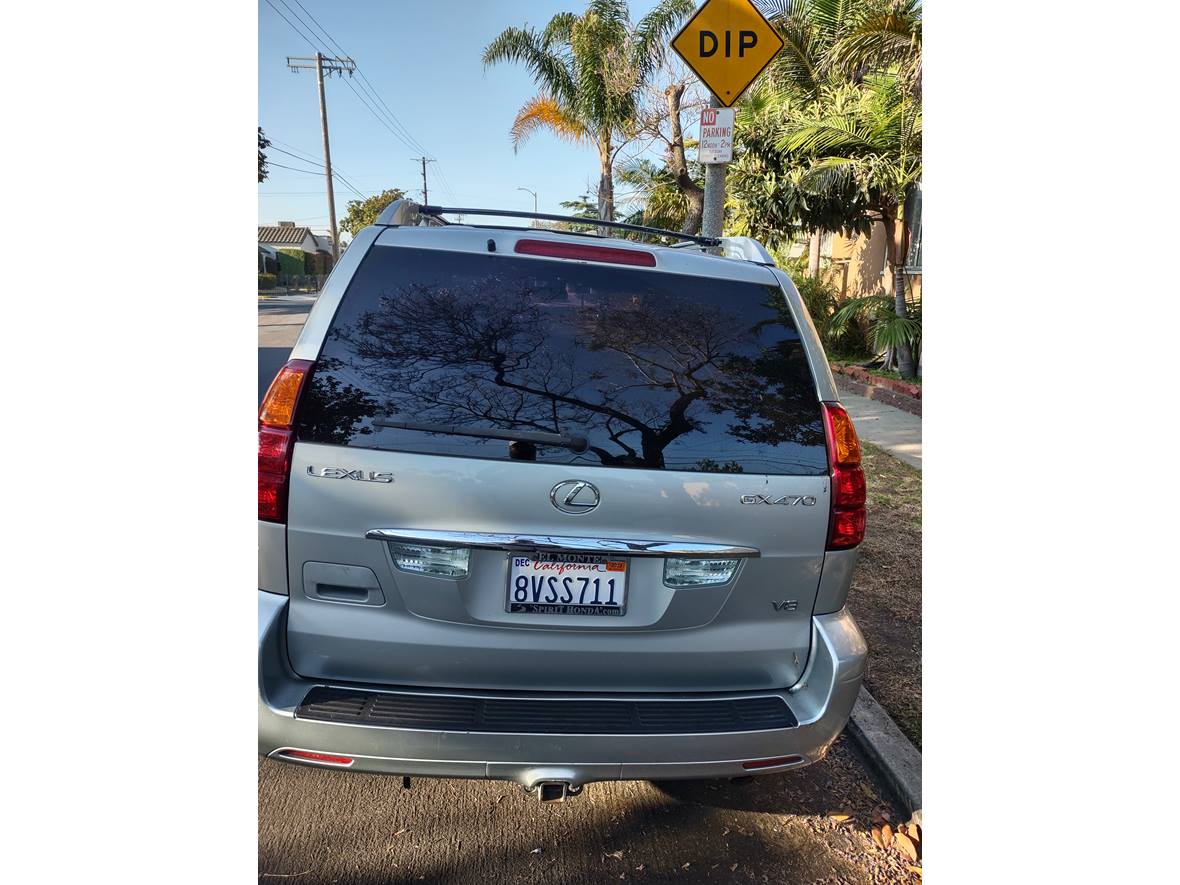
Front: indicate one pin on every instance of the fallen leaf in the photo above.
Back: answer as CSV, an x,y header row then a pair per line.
x,y
913,832
639,869
733,867
903,844
886,835
725,832
402,830
617,855
685,866
839,817
876,834
535,851
917,870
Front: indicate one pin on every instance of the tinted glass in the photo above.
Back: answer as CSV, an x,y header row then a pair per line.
x,y
654,370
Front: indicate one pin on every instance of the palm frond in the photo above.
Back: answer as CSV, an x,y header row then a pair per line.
x,y
545,112
524,45
655,30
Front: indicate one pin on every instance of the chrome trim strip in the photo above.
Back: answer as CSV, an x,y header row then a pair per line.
x,y
562,544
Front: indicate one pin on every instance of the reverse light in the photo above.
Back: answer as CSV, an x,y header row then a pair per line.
x,y
846,527
276,439
580,252
698,572
440,562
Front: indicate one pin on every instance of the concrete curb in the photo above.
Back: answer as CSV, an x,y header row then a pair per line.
x,y
889,751
880,394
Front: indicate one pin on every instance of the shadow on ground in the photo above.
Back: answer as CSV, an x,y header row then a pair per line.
x,y
321,826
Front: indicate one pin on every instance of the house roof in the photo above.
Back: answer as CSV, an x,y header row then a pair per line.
x,y
283,234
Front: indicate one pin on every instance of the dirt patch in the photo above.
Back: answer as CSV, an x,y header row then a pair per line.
x,y
886,596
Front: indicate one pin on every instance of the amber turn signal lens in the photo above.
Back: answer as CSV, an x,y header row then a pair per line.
x,y
844,443
278,406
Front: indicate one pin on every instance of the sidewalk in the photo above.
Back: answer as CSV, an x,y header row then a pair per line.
x,y
897,432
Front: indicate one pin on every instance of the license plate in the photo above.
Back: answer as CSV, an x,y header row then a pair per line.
x,y
567,584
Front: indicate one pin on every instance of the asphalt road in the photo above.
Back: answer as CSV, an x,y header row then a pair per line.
x,y
279,322
329,826
334,827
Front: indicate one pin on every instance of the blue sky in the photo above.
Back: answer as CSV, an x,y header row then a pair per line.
x,y
423,60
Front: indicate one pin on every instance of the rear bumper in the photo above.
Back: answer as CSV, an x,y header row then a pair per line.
x,y
821,702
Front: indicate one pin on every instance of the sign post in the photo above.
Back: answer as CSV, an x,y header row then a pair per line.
x,y
727,44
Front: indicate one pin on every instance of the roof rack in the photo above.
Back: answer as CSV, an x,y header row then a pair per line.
x,y
403,211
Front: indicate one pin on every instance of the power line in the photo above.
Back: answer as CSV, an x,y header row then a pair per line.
x,y
288,21
381,110
335,172
319,171
301,154
379,118
372,90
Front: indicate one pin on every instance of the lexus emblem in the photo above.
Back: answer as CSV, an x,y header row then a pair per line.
x,y
574,496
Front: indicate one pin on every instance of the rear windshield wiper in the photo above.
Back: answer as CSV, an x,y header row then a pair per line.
x,y
573,443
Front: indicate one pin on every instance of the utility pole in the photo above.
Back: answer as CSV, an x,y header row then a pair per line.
x,y
425,192
713,214
339,66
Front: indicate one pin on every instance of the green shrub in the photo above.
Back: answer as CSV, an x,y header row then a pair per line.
x,y
291,262
848,335
267,281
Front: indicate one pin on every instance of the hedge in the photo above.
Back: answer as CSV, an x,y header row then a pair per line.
x,y
291,262
267,281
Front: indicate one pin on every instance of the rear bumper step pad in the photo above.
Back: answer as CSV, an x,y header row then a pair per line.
x,y
436,712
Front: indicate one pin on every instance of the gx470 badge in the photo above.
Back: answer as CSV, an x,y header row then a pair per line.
x,y
786,500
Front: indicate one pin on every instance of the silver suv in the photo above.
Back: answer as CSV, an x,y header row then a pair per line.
x,y
555,508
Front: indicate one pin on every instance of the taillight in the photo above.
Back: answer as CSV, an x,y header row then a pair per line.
x,y
847,525
276,438
582,252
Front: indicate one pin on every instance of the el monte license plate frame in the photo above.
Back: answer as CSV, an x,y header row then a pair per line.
x,y
567,584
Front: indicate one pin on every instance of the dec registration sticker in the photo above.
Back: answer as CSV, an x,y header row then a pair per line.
x,y
567,584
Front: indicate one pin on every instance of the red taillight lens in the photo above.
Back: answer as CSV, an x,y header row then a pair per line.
x,y
276,439
848,488
848,529
585,253
274,466
847,524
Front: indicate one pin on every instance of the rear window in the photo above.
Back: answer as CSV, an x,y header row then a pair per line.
x,y
644,369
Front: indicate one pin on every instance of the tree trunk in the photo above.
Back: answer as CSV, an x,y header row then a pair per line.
x,y
893,250
813,255
606,181
694,196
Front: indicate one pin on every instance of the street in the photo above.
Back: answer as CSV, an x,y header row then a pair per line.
x,y
327,826
279,320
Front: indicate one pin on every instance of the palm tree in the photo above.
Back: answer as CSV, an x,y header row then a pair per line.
x,y
589,71
879,36
865,138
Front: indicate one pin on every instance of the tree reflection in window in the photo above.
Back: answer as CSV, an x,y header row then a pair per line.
x,y
653,375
